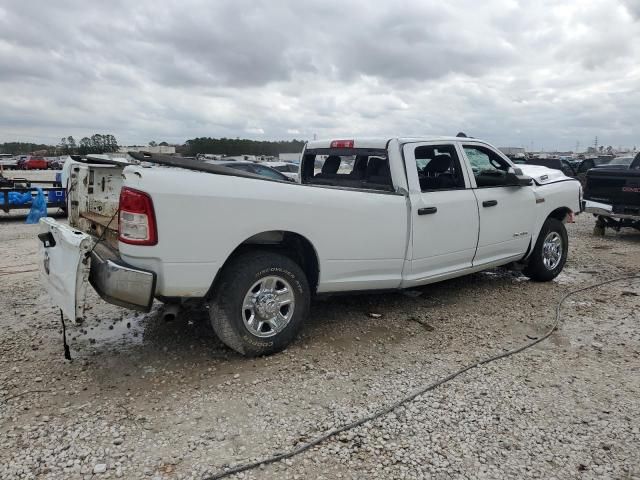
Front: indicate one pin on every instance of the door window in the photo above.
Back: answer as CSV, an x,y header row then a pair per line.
x,y
489,169
438,168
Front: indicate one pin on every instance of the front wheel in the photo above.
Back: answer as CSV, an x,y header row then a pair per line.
x,y
260,303
550,252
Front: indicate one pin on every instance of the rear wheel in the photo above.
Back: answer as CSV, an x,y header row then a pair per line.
x,y
260,303
550,252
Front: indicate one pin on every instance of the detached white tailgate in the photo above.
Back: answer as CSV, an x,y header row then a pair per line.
x,y
65,265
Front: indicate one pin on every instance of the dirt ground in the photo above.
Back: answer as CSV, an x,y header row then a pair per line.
x,y
145,398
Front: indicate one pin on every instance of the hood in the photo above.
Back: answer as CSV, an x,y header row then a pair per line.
x,y
542,175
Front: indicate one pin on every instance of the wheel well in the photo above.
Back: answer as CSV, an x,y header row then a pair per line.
x,y
560,213
291,244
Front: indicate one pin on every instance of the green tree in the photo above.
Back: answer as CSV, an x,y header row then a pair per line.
x,y
71,142
85,146
63,146
239,146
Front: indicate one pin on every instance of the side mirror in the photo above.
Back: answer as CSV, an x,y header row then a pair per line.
x,y
516,178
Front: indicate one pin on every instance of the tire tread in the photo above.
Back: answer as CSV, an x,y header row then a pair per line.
x,y
222,305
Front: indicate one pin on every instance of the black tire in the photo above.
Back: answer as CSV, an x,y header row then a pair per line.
x,y
226,307
536,269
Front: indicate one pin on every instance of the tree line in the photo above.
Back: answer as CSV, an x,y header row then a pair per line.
x,y
239,146
99,143
22,148
96,143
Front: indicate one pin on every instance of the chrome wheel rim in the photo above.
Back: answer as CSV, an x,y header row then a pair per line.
x,y
552,250
268,306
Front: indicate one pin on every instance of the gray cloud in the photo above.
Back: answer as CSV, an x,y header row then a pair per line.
x,y
514,72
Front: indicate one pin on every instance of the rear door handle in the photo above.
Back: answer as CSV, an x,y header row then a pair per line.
x,y
489,203
427,210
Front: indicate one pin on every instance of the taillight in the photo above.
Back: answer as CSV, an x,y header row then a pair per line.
x,y
342,144
137,222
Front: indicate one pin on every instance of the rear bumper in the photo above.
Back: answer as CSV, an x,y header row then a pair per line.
x,y
606,210
119,283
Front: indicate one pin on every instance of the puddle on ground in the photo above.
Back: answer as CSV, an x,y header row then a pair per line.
x,y
128,330
134,329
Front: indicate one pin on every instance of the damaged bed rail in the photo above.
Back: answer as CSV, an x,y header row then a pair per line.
x,y
191,163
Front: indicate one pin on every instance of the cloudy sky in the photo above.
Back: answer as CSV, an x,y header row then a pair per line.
x,y
540,74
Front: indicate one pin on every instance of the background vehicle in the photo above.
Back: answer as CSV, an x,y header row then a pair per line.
x,y
556,163
612,194
286,168
618,162
8,162
586,165
54,163
371,214
35,163
251,167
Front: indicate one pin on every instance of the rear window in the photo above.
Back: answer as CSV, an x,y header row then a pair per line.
x,y
351,168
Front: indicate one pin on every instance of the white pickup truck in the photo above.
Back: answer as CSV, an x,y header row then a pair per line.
x,y
365,214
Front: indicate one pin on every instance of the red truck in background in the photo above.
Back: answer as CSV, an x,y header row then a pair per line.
x,y
35,163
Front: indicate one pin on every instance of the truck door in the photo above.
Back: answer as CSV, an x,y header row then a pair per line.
x,y
506,211
444,211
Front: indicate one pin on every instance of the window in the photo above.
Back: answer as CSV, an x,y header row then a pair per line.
x,y
567,169
348,167
289,168
267,172
438,167
586,165
489,169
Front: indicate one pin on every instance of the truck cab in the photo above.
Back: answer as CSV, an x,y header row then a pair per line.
x,y
470,207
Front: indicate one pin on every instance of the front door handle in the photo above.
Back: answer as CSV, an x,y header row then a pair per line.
x,y
489,203
427,210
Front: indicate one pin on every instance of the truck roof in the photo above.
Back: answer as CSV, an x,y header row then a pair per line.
x,y
381,142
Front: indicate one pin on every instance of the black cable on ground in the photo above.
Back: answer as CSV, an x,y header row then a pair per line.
x,y
243,467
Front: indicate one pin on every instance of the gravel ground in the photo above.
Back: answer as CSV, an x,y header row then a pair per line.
x,y
145,398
